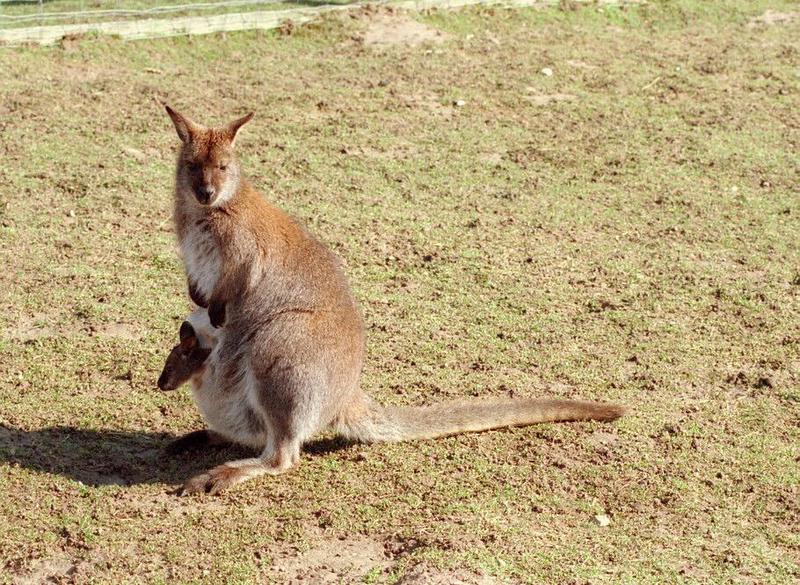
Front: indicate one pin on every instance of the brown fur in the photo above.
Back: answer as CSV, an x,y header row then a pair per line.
x,y
288,360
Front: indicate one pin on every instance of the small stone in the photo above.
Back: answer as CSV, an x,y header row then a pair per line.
x,y
134,153
547,72
459,103
602,520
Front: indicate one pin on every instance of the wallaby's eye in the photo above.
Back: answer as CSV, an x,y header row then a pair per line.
x,y
223,167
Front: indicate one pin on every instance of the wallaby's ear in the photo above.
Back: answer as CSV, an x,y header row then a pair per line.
x,y
185,127
186,331
234,126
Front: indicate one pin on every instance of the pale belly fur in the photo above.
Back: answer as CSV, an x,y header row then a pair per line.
x,y
229,408
202,260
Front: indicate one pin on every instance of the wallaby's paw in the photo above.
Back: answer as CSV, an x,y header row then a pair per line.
x,y
216,314
214,480
197,298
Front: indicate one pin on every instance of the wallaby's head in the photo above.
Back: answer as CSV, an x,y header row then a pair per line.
x,y
207,165
187,359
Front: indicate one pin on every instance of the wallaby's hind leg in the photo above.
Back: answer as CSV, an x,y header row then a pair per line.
x,y
195,441
275,459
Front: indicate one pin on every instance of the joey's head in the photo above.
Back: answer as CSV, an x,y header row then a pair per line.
x,y
186,360
207,165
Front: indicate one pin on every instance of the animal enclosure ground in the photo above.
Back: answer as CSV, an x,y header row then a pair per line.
x,y
625,229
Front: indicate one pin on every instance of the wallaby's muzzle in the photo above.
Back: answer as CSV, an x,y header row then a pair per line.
x,y
168,378
163,382
205,194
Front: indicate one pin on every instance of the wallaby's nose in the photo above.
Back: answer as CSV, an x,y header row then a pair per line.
x,y
162,381
205,193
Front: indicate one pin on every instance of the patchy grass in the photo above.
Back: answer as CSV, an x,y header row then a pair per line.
x,y
635,242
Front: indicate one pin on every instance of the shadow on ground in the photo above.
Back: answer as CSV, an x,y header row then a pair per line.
x,y
106,457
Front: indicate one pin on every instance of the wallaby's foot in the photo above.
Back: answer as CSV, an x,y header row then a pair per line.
x,y
232,473
195,441
222,477
216,313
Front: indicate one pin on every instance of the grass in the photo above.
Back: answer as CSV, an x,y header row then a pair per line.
x,y
635,243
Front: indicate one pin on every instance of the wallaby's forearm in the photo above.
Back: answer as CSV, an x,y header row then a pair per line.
x,y
234,280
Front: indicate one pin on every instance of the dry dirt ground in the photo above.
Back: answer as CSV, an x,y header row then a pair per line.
x,y
577,202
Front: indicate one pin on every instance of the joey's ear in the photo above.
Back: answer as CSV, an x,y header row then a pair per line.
x,y
234,126
186,331
185,127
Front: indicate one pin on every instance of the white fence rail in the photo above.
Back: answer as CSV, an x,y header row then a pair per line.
x,y
43,16
139,24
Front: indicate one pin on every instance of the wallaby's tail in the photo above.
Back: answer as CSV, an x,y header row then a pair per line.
x,y
405,423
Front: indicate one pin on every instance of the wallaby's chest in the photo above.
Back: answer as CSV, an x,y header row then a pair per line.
x,y
201,258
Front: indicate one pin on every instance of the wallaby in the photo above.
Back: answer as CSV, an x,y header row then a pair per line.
x,y
286,365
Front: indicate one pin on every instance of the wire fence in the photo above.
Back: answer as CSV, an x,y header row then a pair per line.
x,y
27,12
49,21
